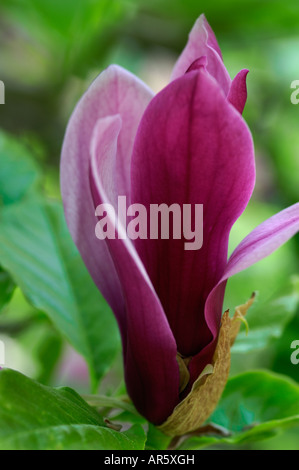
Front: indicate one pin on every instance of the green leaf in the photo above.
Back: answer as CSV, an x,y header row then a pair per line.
x,y
18,172
67,30
103,401
45,345
128,417
156,440
267,320
36,417
255,405
77,437
37,250
7,287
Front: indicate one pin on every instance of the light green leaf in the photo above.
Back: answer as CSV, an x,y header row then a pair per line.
x,y
267,320
255,405
37,250
77,437
102,401
36,417
156,440
18,172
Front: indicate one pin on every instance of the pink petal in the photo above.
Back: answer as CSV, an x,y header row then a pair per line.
x,y
115,91
151,370
198,63
237,95
261,242
192,147
202,42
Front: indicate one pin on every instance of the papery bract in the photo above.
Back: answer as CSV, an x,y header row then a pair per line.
x,y
187,145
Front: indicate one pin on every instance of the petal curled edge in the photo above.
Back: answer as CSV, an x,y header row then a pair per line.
x,y
192,147
151,369
202,42
261,242
115,91
237,95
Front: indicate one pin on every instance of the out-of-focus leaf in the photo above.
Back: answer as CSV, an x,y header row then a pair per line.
x,y
283,142
255,405
45,345
175,18
36,417
61,34
7,287
37,250
264,277
18,172
267,320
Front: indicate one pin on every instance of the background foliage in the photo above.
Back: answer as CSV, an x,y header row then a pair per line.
x,y
55,325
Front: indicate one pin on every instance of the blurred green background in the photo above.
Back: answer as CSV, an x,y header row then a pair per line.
x,y
51,50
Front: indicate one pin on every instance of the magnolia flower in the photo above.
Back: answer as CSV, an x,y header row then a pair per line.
x,y
187,145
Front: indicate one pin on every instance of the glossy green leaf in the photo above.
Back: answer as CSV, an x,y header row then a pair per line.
x,y
36,417
37,250
255,405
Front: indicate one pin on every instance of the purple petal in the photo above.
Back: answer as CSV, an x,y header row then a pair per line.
x,y
192,147
202,42
115,91
261,242
151,369
237,95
